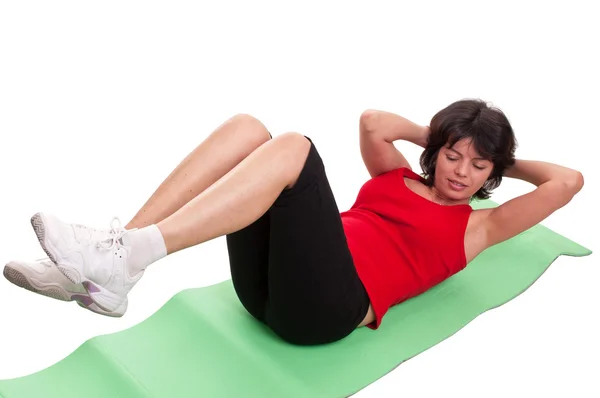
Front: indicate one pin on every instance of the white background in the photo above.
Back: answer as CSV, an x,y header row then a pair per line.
x,y
99,101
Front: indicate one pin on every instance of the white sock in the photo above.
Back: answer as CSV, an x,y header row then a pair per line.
x,y
147,246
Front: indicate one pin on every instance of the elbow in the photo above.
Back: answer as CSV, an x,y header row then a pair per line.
x,y
368,120
574,183
577,182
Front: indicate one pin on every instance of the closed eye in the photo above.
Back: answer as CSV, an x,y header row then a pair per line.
x,y
455,159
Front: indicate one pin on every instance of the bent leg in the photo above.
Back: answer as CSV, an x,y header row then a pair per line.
x,y
315,294
248,251
221,151
240,197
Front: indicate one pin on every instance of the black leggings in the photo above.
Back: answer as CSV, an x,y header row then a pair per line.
x,y
292,269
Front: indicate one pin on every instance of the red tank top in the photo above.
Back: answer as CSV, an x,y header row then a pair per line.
x,y
402,243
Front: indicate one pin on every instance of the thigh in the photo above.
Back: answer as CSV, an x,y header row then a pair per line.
x,y
248,251
315,294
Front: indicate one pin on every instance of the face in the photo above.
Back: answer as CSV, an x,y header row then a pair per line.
x,y
463,165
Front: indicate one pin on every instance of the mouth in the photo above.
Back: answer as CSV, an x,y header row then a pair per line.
x,y
457,184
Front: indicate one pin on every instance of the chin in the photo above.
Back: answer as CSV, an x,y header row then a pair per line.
x,y
458,196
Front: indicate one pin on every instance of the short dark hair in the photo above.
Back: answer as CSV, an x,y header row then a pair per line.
x,y
489,129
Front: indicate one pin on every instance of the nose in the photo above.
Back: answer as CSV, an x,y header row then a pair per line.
x,y
461,169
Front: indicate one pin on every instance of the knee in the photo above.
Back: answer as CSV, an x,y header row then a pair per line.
x,y
243,118
248,124
294,140
246,120
294,145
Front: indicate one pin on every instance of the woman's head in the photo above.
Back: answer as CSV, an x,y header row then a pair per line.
x,y
470,143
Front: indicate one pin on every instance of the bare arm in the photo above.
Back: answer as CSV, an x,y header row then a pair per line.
x,y
392,127
556,186
538,172
378,131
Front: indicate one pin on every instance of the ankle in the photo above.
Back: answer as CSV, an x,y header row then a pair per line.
x,y
147,246
136,224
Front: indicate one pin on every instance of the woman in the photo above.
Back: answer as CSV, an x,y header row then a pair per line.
x,y
309,272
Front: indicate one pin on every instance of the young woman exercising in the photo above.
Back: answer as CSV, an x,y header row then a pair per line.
x,y
311,273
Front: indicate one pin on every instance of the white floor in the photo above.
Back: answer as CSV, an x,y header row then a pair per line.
x,y
99,102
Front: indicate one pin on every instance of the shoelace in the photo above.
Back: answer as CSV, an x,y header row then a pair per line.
x,y
117,233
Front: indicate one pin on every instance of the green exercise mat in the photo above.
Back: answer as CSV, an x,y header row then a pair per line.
x,y
202,343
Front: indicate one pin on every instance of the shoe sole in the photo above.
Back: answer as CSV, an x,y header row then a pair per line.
x,y
17,278
102,297
55,291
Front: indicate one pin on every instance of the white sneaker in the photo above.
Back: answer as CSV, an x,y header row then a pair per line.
x,y
43,277
95,258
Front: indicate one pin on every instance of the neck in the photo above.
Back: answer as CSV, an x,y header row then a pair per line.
x,y
437,197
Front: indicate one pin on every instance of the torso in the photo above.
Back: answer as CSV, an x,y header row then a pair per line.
x,y
474,241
